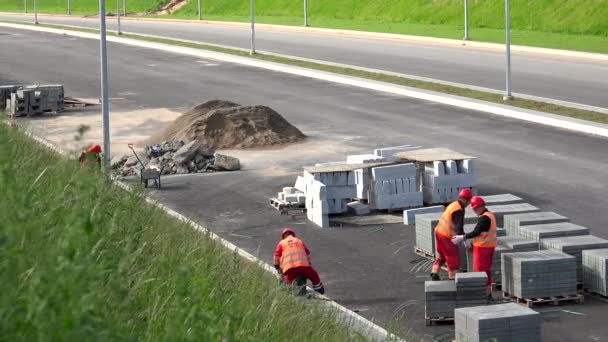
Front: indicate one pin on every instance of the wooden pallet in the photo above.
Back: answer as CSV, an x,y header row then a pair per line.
x,y
423,253
429,320
595,294
288,208
557,300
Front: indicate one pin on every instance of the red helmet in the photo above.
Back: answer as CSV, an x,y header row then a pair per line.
x,y
465,194
477,202
95,149
287,230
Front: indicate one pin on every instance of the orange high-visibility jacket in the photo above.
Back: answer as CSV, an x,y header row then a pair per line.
x,y
291,252
487,239
446,226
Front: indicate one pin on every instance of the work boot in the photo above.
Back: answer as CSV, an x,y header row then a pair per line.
x,y
435,277
319,288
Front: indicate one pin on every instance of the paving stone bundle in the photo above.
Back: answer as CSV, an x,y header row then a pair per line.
x,y
425,231
595,270
440,298
502,199
500,211
539,232
443,180
539,274
518,244
508,322
32,100
394,187
575,245
409,216
513,222
471,289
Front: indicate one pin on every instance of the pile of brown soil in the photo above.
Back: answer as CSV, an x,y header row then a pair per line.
x,y
223,124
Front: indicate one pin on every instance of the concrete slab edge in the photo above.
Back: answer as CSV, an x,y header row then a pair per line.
x,y
344,316
364,34
552,120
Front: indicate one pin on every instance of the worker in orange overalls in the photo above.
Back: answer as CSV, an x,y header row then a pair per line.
x,y
450,225
292,261
484,240
91,154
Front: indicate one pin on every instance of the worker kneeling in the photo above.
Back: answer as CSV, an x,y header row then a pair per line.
x,y
450,225
292,261
484,241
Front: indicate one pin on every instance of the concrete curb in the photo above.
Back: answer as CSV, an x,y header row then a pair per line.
x,y
552,120
345,316
364,34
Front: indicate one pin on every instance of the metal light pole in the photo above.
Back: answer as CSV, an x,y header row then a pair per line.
x,y
118,30
251,7
305,13
124,7
36,12
466,19
69,8
104,86
200,14
25,6
508,95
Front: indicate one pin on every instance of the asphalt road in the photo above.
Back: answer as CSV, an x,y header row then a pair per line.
x,y
566,79
367,269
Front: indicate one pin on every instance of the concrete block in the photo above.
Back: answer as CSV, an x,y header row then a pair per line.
x,y
364,159
289,190
300,184
351,178
281,196
341,192
387,188
397,201
502,199
451,167
358,208
363,180
450,181
301,198
389,152
291,198
399,186
340,178
394,172
439,168
413,184
319,191
409,216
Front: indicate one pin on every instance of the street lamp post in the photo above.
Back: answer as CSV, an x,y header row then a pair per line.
x,y
508,95
124,7
118,29
466,19
305,13
36,12
69,8
24,6
104,86
251,14
200,12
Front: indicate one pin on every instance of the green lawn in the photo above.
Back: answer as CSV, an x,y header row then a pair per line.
x,y
84,7
81,261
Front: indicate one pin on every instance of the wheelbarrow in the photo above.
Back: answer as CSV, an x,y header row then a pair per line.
x,y
148,174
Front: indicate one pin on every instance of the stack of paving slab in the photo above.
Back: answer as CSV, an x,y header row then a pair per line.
x,y
502,199
394,187
501,323
513,222
575,245
538,274
595,270
500,211
539,232
440,298
506,244
471,289
425,231
443,180
33,100
409,216
292,195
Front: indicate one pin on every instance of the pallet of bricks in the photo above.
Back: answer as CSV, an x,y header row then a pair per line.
x,y
32,100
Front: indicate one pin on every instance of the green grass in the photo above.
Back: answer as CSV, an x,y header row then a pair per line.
x,y
83,261
84,7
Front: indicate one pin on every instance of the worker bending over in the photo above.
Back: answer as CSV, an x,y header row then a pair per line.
x,y
450,225
292,261
90,156
484,241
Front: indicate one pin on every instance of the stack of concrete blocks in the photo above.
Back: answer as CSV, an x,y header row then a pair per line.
x,y
328,193
539,232
500,211
443,180
502,199
363,182
575,245
388,153
500,323
425,231
394,187
292,196
32,100
513,222
539,274
51,97
440,298
471,289
409,216
317,209
595,271
5,95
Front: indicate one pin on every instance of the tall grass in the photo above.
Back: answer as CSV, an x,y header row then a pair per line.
x,y
79,6
80,260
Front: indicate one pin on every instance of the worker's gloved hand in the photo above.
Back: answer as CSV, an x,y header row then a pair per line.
x,y
457,239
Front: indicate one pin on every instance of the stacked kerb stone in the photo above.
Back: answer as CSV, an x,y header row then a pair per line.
x,y
504,322
440,298
513,222
595,270
443,180
394,187
425,231
471,289
539,274
575,245
500,211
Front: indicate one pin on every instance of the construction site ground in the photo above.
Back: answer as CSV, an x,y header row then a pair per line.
x,y
365,268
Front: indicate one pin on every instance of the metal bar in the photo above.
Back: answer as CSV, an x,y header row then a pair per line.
x,y
118,29
69,8
124,8
25,6
508,95
466,19
104,87
305,13
251,13
36,12
200,11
